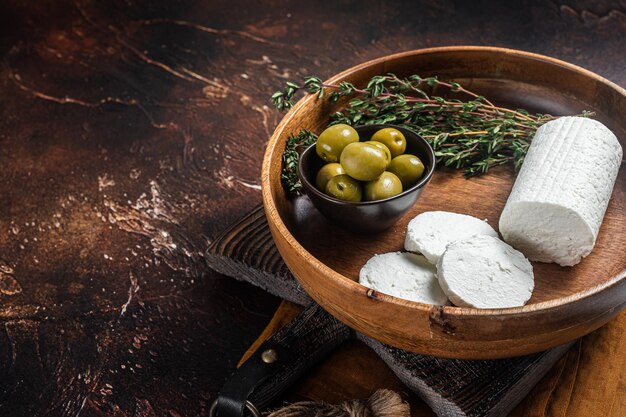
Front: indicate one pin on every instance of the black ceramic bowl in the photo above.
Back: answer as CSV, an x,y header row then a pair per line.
x,y
368,216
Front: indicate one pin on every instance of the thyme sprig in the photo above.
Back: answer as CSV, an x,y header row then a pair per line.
x,y
465,129
290,159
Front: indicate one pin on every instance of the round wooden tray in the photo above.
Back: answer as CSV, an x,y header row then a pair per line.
x,y
567,302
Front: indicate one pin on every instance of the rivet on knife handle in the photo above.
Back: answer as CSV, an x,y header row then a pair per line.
x,y
279,361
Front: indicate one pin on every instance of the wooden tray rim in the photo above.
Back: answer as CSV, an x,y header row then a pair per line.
x,y
353,286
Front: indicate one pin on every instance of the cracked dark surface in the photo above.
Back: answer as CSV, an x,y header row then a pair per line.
x,y
132,133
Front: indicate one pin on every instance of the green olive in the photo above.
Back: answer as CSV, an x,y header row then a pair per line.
x,y
383,147
385,186
392,139
344,187
333,140
409,168
326,173
363,161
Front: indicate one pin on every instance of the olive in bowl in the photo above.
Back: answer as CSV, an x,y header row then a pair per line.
x,y
367,216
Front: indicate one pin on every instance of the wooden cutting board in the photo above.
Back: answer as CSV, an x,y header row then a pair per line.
x,y
589,380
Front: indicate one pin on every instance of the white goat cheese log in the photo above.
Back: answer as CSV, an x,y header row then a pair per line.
x,y
559,198
430,232
403,275
484,272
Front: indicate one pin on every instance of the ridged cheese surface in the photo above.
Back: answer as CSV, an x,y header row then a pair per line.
x,y
561,193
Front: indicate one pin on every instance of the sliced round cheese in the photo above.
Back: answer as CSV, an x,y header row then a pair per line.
x,y
484,272
403,275
559,198
430,232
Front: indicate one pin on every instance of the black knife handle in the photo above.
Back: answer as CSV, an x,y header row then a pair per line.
x,y
279,361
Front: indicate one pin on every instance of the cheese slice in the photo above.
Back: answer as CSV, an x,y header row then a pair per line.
x,y
430,232
559,198
403,275
484,272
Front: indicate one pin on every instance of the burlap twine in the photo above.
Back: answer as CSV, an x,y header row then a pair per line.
x,y
383,403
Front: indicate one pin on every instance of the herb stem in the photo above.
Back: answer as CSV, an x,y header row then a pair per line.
x,y
473,134
481,132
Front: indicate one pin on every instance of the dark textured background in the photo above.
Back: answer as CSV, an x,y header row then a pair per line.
x,y
132,132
